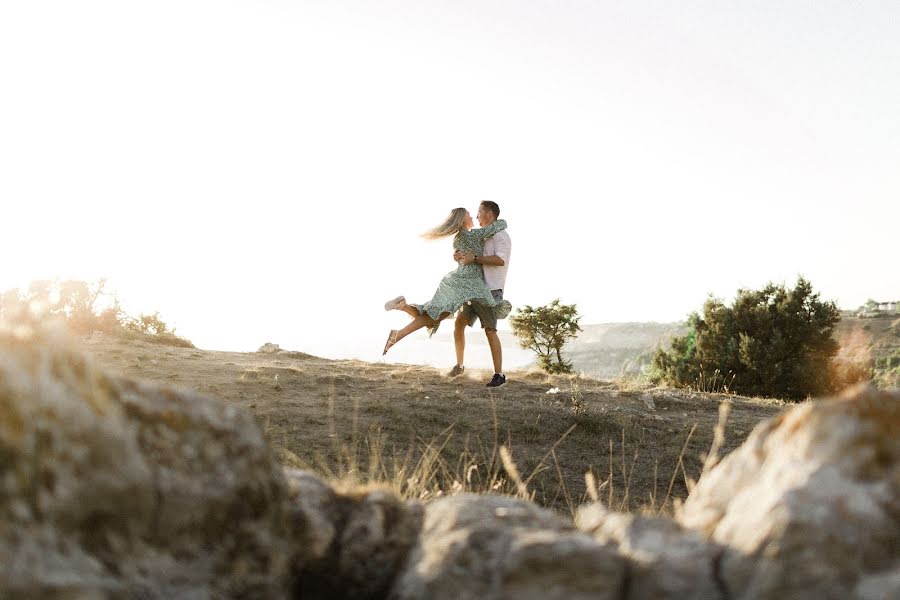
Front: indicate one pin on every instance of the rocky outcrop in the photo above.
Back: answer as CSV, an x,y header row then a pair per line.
x,y
117,489
809,506
493,547
353,543
112,488
664,560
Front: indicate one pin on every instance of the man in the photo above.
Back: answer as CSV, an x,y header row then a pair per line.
x,y
496,263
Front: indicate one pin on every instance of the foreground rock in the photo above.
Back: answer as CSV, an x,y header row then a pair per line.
x,y
353,543
664,559
493,547
809,506
111,488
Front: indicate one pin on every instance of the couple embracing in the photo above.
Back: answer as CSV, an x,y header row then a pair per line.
x,y
473,291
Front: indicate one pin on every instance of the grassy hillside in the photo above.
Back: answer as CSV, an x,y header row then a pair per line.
x,y
427,435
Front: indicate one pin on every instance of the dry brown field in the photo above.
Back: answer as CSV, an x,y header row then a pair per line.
x,y
425,435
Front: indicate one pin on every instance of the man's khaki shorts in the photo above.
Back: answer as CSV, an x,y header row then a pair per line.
x,y
485,314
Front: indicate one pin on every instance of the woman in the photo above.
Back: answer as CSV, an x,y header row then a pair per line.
x,y
465,284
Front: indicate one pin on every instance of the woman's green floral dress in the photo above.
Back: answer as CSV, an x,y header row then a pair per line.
x,y
466,282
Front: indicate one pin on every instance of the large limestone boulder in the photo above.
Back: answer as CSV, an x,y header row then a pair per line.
x,y
664,559
494,547
111,488
354,541
809,505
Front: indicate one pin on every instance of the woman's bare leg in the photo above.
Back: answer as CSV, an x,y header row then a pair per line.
x,y
399,303
417,323
412,312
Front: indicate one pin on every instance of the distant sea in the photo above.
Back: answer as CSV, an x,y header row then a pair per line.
x,y
419,349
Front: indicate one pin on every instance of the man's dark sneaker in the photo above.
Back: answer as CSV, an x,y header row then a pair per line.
x,y
497,381
456,370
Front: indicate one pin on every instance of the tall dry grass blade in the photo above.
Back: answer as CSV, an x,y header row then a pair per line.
x,y
552,448
492,479
376,469
354,422
513,471
689,481
609,480
712,459
337,447
496,430
332,395
562,484
429,464
590,483
624,474
628,480
678,464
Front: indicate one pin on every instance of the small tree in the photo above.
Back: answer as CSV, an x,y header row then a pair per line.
x,y
770,342
149,324
83,307
545,330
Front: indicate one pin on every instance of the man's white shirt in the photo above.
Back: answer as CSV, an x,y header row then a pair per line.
x,y
497,245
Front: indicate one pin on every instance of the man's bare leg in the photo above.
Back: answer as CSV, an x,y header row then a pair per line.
x,y
459,337
496,350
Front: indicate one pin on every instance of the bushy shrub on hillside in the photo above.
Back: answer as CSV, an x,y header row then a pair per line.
x,y
150,324
773,342
84,308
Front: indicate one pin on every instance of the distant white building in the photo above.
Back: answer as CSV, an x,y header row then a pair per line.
x,y
876,308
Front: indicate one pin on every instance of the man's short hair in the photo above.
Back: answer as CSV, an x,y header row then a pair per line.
x,y
493,207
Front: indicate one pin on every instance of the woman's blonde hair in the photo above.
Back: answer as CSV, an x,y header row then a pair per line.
x,y
450,226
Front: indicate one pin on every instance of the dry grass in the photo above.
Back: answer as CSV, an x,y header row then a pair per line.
x,y
425,435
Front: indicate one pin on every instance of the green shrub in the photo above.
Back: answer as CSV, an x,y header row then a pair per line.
x,y
774,342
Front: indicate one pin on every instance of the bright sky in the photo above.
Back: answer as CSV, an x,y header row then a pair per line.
x,y
260,171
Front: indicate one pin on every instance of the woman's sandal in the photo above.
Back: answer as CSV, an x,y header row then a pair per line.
x,y
396,304
391,340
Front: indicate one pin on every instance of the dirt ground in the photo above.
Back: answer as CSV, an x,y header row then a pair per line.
x,y
427,435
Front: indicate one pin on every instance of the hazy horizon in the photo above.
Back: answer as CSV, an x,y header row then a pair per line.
x,y
261,171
